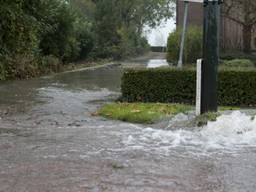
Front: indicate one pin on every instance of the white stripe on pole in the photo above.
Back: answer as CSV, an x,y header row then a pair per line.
x,y
198,86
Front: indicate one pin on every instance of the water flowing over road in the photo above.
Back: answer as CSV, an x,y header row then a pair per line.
x,y
51,141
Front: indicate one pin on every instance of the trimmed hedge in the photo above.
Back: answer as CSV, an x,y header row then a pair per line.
x,y
231,55
236,88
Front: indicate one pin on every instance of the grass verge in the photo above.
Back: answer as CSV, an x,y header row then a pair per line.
x,y
149,113
203,119
145,113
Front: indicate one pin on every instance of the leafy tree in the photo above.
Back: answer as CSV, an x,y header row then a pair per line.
x,y
118,21
32,32
17,29
35,35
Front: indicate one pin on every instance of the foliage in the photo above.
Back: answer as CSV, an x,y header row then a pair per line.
x,y
85,8
231,55
119,25
18,29
236,88
239,63
59,40
34,35
68,36
49,64
140,112
192,48
18,38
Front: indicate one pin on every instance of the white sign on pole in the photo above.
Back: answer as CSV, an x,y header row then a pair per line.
x,y
198,86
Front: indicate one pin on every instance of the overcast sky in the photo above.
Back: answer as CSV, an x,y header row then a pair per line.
x,y
158,36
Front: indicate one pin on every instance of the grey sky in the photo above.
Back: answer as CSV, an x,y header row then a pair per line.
x,y
158,36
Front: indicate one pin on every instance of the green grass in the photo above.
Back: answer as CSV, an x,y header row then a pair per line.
x,y
149,113
203,119
226,108
146,113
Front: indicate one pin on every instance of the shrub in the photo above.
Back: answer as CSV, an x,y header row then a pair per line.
x,y
49,64
32,32
192,48
236,88
59,39
20,66
85,39
127,43
231,55
238,63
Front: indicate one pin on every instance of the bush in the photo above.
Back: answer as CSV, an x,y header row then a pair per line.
x,y
60,39
20,66
192,48
236,88
36,35
49,64
238,63
127,43
85,39
231,55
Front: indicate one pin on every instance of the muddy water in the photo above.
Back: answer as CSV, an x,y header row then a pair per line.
x,y
50,141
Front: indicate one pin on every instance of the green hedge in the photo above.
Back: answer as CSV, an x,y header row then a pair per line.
x,y
236,88
231,55
238,63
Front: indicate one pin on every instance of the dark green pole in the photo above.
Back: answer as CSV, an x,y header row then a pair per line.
x,y
210,56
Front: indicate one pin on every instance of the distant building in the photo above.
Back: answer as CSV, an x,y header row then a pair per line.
x,y
230,33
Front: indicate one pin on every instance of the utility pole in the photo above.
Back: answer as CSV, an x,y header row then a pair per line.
x,y
207,81
210,56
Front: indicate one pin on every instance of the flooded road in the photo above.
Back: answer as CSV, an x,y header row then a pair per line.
x,y
51,141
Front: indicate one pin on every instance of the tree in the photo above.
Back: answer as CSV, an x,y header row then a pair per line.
x,y
242,12
122,22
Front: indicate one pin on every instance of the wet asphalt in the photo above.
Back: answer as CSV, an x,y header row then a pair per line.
x,y
51,141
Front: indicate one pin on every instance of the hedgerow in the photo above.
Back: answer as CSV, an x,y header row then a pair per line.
x,y
235,88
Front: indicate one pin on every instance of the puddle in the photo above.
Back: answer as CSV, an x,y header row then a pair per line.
x,y
155,63
61,147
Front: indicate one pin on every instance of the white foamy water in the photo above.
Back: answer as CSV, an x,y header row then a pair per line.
x,y
230,132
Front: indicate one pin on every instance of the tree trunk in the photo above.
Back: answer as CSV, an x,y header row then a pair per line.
x,y
247,38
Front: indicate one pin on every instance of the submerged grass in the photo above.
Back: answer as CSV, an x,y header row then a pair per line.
x,y
146,113
203,119
149,113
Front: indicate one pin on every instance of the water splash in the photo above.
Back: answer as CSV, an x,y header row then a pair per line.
x,y
232,130
229,132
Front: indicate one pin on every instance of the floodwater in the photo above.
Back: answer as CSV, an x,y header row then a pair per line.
x,y
155,63
50,140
